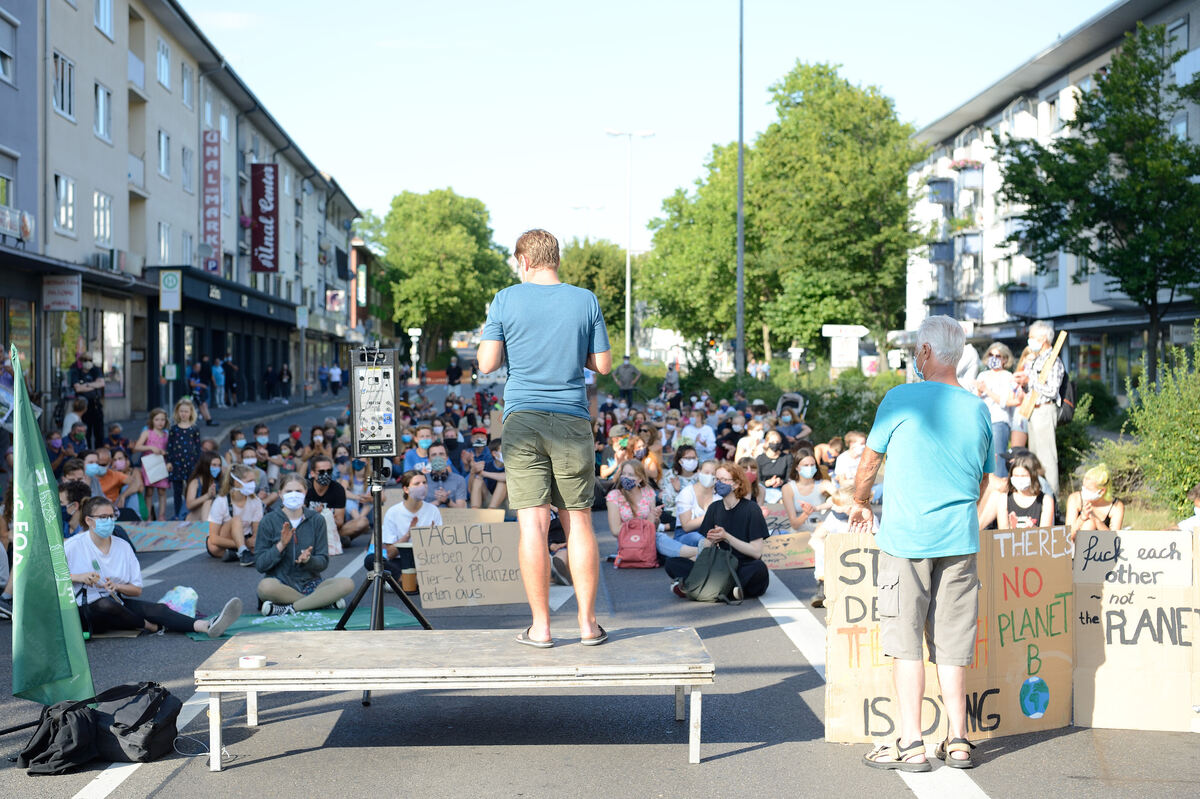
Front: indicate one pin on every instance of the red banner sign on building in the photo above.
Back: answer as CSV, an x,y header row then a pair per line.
x,y
264,213
210,182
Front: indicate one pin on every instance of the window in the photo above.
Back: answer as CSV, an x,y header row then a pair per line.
x,y
224,122
113,353
188,247
1050,273
1177,37
164,154
8,168
1085,84
1053,123
64,203
1179,126
64,85
164,243
226,197
103,16
164,64
287,180
208,110
1082,267
102,218
8,49
185,169
103,124
185,84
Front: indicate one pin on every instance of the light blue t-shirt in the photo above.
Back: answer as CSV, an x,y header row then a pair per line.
x,y
548,333
938,439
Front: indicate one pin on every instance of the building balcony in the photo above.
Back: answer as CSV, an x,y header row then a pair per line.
x,y
941,252
137,79
969,243
1100,292
137,177
941,191
939,307
1020,301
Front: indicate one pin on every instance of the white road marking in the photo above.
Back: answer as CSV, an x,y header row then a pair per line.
x,y
171,560
111,778
559,594
808,634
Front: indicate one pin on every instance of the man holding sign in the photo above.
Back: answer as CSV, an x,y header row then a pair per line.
x,y
550,331
938,438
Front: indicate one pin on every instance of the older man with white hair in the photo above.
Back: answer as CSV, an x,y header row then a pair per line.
x,y
1043,441
938,440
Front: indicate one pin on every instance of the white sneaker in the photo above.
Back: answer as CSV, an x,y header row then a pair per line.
x,y
341,604
267,608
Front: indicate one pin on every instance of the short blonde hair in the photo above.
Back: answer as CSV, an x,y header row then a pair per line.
x,y
1099,475
539,247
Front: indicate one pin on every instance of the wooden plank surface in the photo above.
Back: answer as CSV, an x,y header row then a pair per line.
x,y
455,658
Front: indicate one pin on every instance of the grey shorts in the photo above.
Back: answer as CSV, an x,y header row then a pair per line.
x,y
549,459
935,599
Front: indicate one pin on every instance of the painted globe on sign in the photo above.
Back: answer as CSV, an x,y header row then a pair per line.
x,y
1035,697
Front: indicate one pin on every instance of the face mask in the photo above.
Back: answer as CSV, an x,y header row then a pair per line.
x,y
688,464
87,364
995,362
737,428
841,517
78,436
639,453
296,435
424,443
215,471
622,406
773,445
406,438
807,472
705,480
324,479
104,527
246,489
1091,496
1020,482
785,419
293,500
479,443
318,438
264,440
66,513
498,458
239,443
94,469
119,465
722,490
358,464
287,453
1034,345
920,373
418,492
1197,512
438,464
751,477
437,430
250,461
451,444
56,442
628,483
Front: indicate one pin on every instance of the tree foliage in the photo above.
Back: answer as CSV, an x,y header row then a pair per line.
x,y
598,266
440,264
1117,188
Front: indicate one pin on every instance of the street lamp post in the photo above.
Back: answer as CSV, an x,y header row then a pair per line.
x,y
644,134
739,359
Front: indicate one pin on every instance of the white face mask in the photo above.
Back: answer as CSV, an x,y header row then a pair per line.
x,y
250,461
247,489
706,480
293,500
1197,513
688,464
317,439
1020,482
1034,345
1090,496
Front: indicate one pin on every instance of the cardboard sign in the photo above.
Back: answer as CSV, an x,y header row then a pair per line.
x,y
167,536
788,551
394,496
1137,650
1020,680
495,423
469,564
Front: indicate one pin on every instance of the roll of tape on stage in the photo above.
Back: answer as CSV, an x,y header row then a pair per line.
x,y
252,662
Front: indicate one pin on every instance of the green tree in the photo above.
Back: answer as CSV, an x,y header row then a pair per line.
x,y
598,266
1118,189
832,207
440,264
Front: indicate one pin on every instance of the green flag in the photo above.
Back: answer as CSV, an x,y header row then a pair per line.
x,y
49,661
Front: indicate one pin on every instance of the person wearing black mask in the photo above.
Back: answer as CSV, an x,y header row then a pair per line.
x,y
774,466
325,493
454,375
453,447
88,381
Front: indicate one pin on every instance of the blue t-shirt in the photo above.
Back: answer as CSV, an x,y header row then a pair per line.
x,y
938,440
548,333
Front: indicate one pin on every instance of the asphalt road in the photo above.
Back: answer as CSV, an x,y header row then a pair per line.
x,y
762,731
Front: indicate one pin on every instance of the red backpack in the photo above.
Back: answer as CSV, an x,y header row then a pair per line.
x,y
636,547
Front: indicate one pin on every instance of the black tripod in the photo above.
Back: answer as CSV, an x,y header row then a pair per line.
x,y
377,574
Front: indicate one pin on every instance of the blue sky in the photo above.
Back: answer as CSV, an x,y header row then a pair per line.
x,y
509,101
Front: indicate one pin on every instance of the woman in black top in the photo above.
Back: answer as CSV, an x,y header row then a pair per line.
x,y
1024,504
737,522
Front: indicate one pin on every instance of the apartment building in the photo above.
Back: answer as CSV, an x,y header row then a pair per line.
x,y
137,148
968,271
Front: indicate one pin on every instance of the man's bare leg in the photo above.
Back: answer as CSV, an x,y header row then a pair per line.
x,y
908,676
953,680
533,555
584,559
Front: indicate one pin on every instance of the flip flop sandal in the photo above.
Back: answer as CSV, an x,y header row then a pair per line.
x,y
596,640
893,756
524,638
946,748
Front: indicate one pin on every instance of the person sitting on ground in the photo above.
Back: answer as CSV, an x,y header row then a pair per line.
x,y
749,467
399,521
237,513
633,498
250,459
1024,504
827,455
1192,523
1093,506
751,444
317,445
210,445
129,496
792,426
693,500
72,496
110,581
846,465
291,550
74,469
697,433
736,521
836,521
237,442
202,486
115,440
449,489
358,496
774,467
325,494
79,407
683,473
639,449
96,463
805,497
418,456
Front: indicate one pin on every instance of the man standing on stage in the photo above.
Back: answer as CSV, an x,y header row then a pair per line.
x,y
938,440
550,331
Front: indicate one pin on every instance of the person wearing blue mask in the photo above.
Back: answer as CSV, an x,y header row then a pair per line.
x,y
237,441
418,456
108,582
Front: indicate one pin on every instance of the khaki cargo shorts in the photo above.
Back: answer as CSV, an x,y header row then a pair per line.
x,y
932,598
549,459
